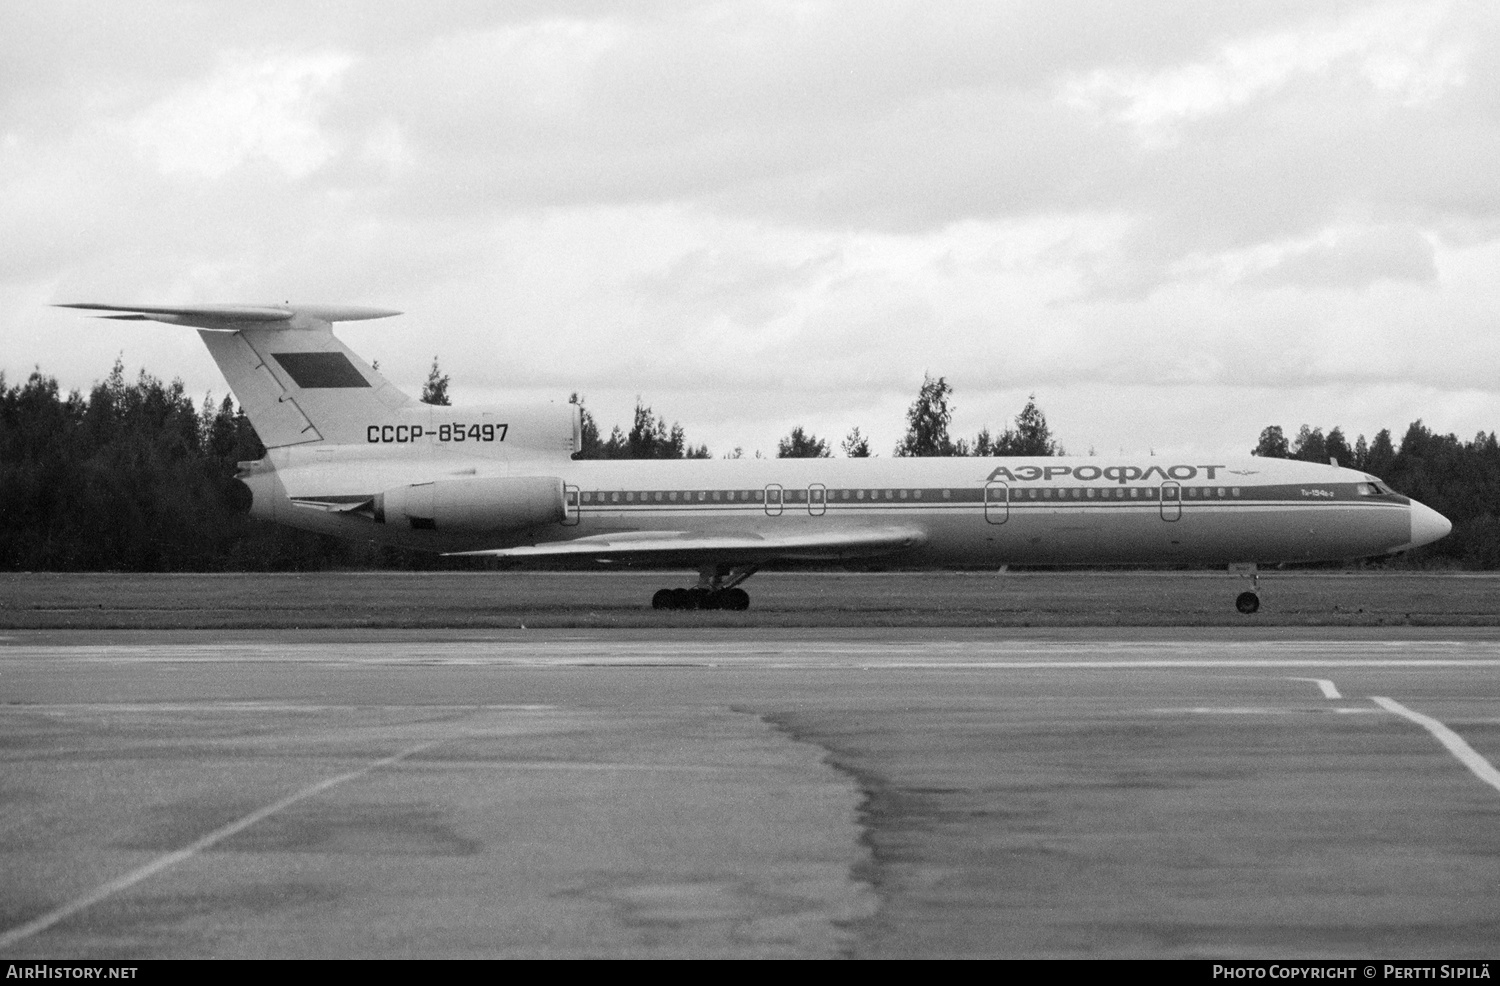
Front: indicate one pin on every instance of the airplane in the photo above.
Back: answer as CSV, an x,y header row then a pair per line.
x,y
348,454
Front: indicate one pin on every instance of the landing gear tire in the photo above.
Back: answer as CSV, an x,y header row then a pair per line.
x,y
1247,603
717,588
700,598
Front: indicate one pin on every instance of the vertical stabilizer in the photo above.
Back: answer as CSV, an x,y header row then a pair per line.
x,y
301,386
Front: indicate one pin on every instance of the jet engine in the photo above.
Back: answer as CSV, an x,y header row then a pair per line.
x,y
497,503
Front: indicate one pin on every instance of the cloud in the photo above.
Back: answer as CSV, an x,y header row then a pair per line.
x,y
1352,260
1393,48
255,107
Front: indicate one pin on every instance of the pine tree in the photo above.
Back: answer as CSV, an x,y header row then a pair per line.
x,y
435,390
1031,436
1381,460
800,445
927,421
1310,445
1273,444
1336,447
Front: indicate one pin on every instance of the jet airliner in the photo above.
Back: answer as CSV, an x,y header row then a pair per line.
x,y
348,454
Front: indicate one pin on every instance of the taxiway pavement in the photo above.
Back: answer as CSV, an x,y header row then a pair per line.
x,y
750,793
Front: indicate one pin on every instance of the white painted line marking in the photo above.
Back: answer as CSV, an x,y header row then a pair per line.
x,y
1328,687
218,835
1229,710
1455,744
1256,710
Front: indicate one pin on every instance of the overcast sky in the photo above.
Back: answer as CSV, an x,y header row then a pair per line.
x,y
1174,222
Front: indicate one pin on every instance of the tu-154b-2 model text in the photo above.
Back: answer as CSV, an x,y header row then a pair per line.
x,y
349,454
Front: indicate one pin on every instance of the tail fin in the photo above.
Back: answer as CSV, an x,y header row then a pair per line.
x,y
296,381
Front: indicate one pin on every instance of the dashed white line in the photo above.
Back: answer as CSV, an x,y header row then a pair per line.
x,y
217,835
1454,743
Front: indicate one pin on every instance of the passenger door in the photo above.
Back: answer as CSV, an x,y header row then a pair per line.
x,y
773,500
817,499
996,502
1171,501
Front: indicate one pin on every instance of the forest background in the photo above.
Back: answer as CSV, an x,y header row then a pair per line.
x,y
136,476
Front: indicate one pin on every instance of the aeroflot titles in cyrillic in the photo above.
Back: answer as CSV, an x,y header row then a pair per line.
x,y
1118,474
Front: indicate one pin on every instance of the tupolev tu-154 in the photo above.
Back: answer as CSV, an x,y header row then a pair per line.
x,y
348,454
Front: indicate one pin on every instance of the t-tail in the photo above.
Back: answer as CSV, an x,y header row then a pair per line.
x,y
298,384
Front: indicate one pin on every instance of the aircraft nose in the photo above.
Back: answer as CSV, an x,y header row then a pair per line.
x,y
1427,525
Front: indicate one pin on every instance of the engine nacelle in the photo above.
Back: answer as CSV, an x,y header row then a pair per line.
x,y
497,503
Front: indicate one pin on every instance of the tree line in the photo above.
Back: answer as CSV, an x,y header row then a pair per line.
x,y
927,422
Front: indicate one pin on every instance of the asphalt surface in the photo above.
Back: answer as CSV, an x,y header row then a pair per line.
x,y
621,600
865,793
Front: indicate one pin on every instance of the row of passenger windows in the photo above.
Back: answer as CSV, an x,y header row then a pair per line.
x,y
1124,493
819,495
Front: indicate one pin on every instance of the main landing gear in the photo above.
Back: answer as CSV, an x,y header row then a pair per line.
x,y
1247,602
717,588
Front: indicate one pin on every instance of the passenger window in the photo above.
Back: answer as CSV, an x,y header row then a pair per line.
x,y
916,494
1234,491
716,496
947,494
903,494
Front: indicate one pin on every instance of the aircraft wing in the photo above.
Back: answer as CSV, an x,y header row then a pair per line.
x,y
743,548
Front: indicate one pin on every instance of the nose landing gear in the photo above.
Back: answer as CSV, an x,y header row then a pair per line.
x,y
1247,602
717,588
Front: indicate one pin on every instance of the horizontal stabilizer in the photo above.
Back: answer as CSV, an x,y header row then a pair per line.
x,y
690,546
295,380
232,317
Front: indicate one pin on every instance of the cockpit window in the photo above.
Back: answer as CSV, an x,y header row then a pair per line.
x,y
1371,489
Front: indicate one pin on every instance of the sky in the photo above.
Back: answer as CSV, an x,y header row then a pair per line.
x,y
1174,223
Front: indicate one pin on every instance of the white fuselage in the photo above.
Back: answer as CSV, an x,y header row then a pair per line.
x,y
1147,510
